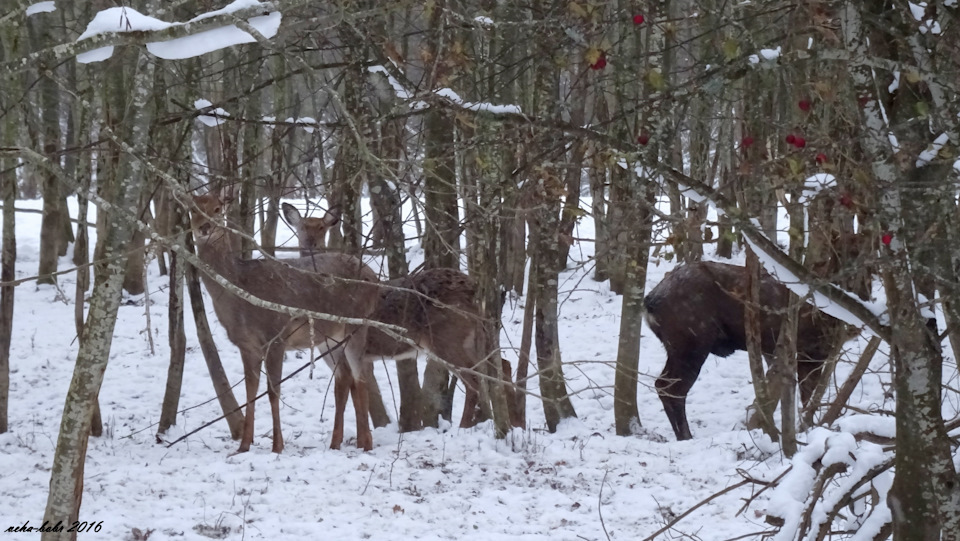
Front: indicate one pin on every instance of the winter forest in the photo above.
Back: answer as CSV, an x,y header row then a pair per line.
x,y
579,269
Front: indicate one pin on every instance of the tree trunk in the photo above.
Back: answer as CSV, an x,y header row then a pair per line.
x,y
176,339
386,198
66,477
8,260
441,243
133,280
556,402
638,222
218,377
51,226
764,403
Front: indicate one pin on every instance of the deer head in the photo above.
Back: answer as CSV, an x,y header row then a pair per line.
x,y
311,232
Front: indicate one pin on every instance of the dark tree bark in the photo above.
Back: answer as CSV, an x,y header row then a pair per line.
x,y
177,340
51,227
218,377
8,260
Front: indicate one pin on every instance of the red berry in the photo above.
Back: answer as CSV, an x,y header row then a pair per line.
x,y
863,100
643,138
800,142
791,139
846,200
886,238
638,19
804,105
746,142
821,158
600,63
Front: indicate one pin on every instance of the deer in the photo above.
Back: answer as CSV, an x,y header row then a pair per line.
x,y
698,309
337,284
436,307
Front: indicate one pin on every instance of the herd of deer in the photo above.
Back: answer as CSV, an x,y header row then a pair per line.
x,y
696,310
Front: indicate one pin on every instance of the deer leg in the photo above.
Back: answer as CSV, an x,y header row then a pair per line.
x,y
516,419
251,379
274,363
378,412
673,385
809,374
342,382
471,398
361,405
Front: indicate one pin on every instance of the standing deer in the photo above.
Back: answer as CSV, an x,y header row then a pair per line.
x,y
437,307
331,283
697,309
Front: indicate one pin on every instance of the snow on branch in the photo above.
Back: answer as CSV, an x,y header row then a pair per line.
x,y
446,95
803,289
127,20
829,474
164,37
41,7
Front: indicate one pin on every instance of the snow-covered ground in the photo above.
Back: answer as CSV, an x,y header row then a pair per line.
x,y
582,482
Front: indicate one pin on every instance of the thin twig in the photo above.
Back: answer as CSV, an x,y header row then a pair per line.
x,y
600,504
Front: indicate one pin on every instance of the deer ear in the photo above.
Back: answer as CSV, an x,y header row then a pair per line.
x,y
291,215
227,194
332,217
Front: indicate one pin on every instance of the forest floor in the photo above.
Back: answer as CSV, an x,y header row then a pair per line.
x,y
581,482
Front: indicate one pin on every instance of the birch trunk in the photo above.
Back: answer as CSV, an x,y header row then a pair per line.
x,y
66,477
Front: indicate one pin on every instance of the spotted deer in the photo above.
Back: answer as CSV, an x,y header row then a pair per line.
x,y
697,309
436,307
336,284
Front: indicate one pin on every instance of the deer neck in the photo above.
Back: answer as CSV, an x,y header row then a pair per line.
x,y
220,250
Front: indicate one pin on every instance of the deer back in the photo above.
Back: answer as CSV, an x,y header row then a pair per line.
x,y
336,284
704,301
434,306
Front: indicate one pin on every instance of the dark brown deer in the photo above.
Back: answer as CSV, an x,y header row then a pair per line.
x,y
336,284
697,309
436,307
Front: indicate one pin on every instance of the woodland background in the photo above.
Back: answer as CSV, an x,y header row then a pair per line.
x,y
679,129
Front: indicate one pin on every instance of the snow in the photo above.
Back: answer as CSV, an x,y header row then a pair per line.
x,y
816,183
885,427
765,55
398,88
917,10
308,123
210,120
930,153
433,484
41,7
124,19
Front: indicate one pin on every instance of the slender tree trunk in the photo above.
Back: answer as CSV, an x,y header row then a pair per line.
x,y
639,223
8,260
523,361
556,402
764,404
441,243
177,341
218,377
386,197
66,478
50,226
